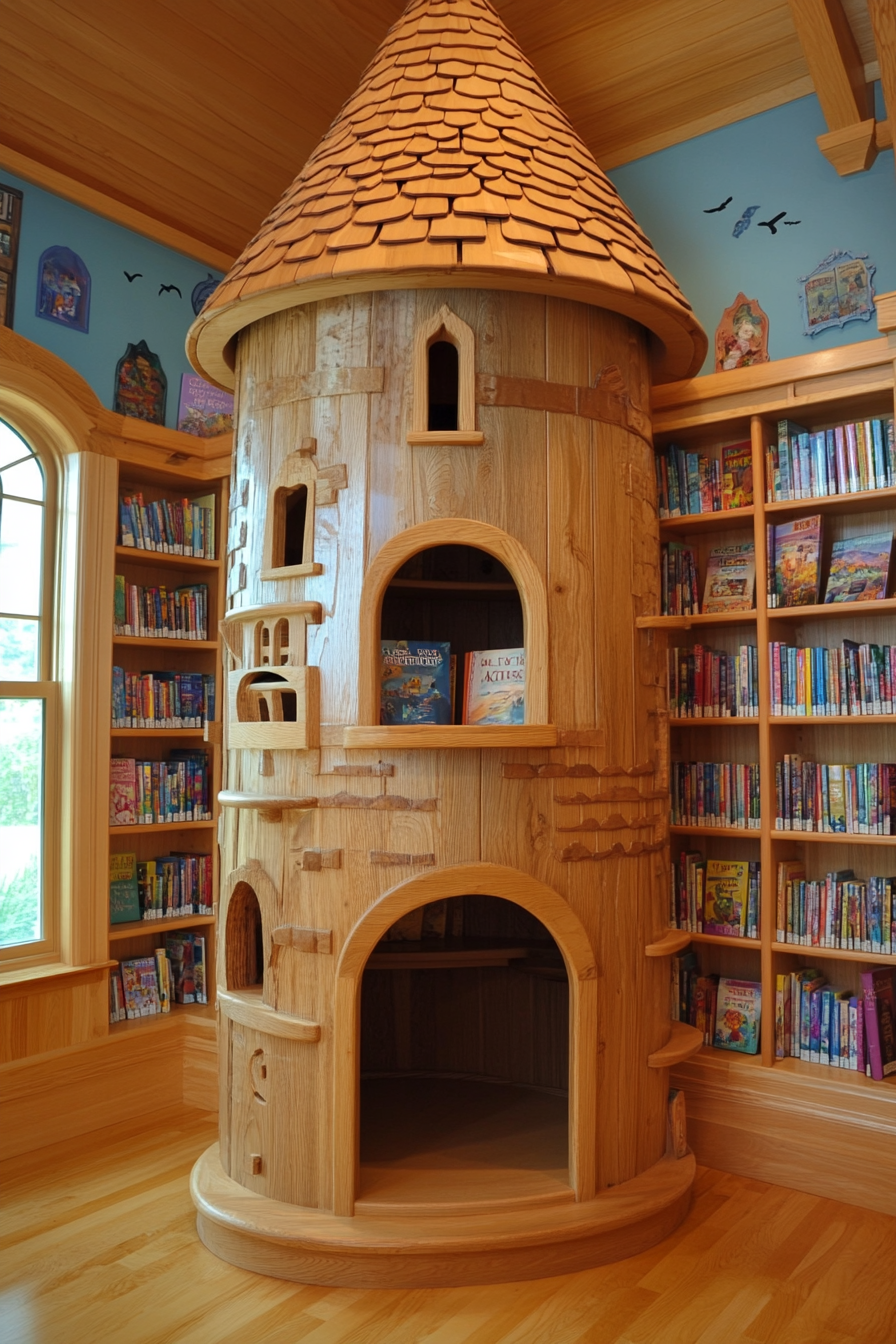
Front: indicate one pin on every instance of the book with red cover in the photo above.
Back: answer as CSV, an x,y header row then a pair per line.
x,y
737,475
879,1000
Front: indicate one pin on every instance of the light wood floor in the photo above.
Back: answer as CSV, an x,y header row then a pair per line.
x,y
98,1247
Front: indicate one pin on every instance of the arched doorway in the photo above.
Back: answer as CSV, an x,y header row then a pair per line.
x,y
540,907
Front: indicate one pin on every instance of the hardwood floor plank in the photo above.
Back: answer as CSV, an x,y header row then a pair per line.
x,y
100,1247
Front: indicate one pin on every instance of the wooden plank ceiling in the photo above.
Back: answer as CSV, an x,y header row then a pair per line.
x,y
198,115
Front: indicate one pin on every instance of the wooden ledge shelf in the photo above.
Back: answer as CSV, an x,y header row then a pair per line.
x,y
833,610
245,1006
135,927
719,721
685,622
684,1042
156,826
417,736
817,720
859,502
155,641
165,558
670,943
838,838
837,953
718,521
446,438
738,832
159,732
270,807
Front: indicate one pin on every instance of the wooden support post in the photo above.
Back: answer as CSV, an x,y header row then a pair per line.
x,y
838,74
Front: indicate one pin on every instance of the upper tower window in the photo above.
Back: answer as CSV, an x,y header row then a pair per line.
x,y
444,408
443,385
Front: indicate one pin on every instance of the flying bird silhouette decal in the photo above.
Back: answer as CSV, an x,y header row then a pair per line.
x,y
716,208
138,275
770,223
166,289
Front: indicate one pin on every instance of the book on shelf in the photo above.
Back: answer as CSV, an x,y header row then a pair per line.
x,y
839,910
854,679
162,699
730,578
679,580
788,871
124,896
172,527
495,686
117,1009
163,975
860,568
727,899
685,972
879,1003
737,475
415,682
704,683
160,612
797,561
203,410
715,793
140,980
840,460
738,1015
150,792
834,798
186,953
821,1024
174,885
687,483
704,1002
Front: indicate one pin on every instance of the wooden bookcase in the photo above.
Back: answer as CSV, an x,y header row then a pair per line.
x,y
816,391
141,654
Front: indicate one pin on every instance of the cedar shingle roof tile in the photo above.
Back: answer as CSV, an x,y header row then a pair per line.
x,y
451,165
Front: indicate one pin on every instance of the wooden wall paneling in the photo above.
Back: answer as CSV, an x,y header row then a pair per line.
x,y
41,1015
571,562
390,510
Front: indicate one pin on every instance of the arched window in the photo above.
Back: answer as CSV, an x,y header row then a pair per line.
x,y
28,703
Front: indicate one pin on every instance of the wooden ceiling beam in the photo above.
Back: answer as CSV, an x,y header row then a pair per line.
x,y
838,73
883,25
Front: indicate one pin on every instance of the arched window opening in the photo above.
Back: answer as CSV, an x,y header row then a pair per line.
x,y
443,385
244,940
464,598
294,506
281,642
262,700
465,1021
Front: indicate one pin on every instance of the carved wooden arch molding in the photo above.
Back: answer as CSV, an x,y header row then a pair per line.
x,y
445,323
455,532
253,875
468,879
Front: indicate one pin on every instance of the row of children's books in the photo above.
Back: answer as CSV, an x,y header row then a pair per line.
x,y
160,888
418,684
715,793
729,585
706,684
854,679
146,986
717,896
693,483
727,1011
838,910
173,526
162,699
821,1024
859,569
160,612
148,792
806,464
835,799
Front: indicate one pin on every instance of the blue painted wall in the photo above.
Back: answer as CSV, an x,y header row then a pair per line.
x,y
772,161
120,312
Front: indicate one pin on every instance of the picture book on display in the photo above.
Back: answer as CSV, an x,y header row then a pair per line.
x,y
737,475
730,578
140,980
738,1015
416,682
124,898
727,894
204,410
797,561
860,568
495,686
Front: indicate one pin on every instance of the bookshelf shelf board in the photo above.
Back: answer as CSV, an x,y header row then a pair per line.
x,y
671,942
836,953
449,586
156,826
159,732
685,622
683,1042
833,610
158,641
175,1020
838,838
719,521
860,502
735,721
739,832
842,1079
415,736
135,927
166,558
464,954
834,719
719,940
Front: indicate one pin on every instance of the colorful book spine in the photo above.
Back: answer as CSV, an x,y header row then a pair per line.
x,y
834,798
715,794
164,525
841,460
852,680
707,684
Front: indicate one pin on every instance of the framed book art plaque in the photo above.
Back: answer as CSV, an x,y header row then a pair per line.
x,y
837,291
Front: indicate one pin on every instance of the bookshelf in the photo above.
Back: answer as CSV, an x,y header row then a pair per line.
x,y
817,392
141,653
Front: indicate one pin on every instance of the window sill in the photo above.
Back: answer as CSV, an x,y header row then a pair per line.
x,y
461,438
289,572
32,979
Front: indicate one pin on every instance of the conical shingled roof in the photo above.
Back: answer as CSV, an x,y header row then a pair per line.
x,y
451,165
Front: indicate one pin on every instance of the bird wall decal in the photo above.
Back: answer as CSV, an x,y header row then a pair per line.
x,y
716,208
744,222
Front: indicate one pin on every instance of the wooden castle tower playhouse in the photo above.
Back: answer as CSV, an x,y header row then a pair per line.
x,y
444,990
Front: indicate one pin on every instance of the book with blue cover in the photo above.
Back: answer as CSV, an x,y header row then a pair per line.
x,y
416,682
